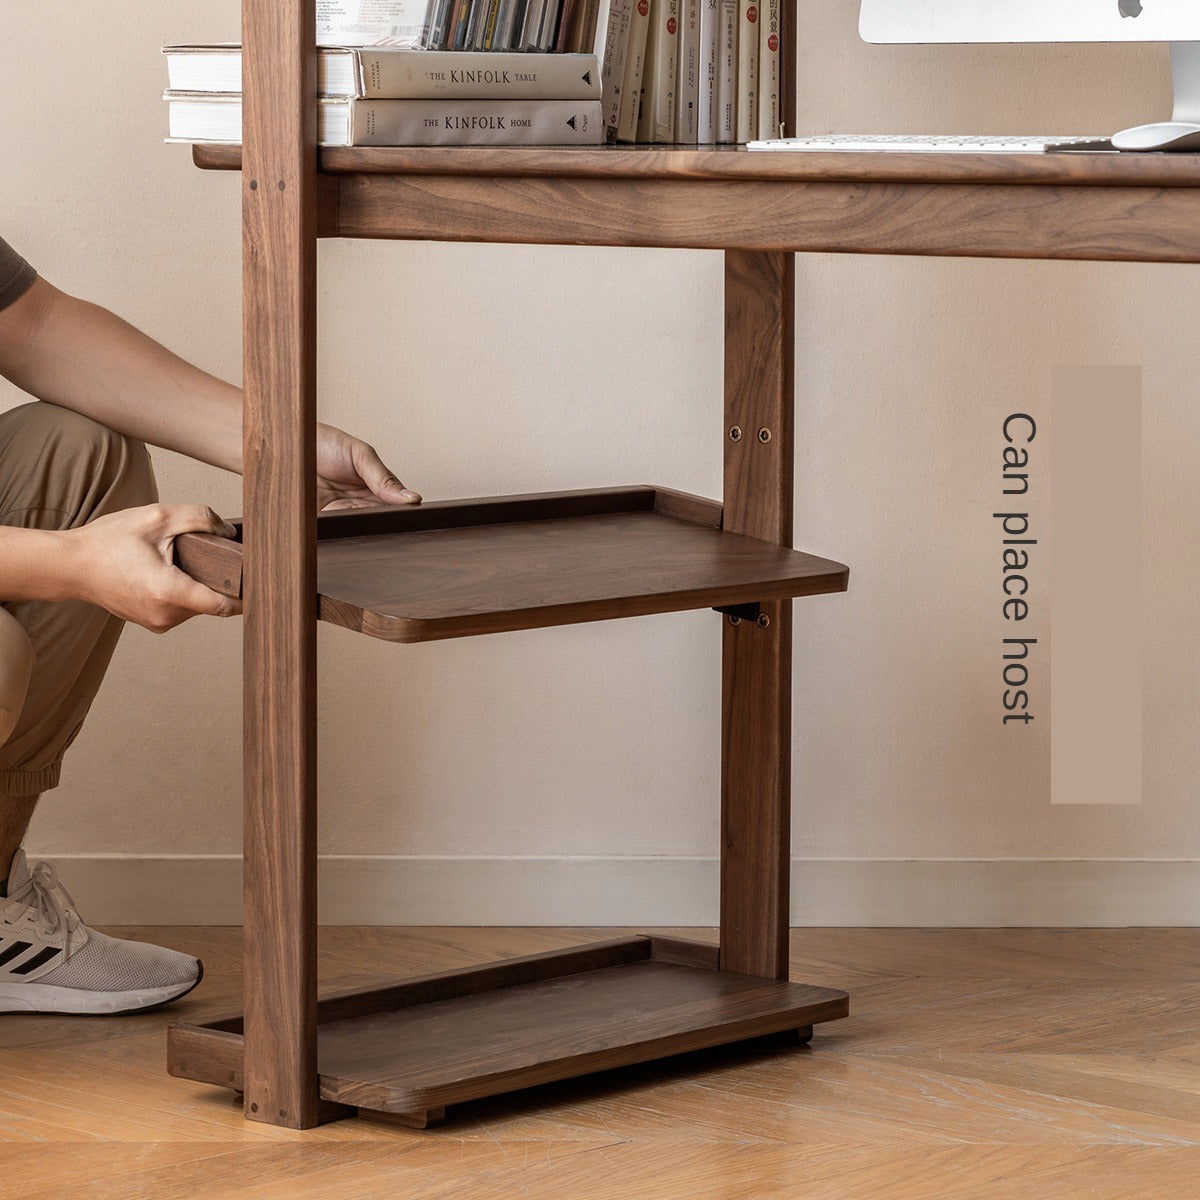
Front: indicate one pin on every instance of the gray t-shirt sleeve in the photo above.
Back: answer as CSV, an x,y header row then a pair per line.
x,y
16,275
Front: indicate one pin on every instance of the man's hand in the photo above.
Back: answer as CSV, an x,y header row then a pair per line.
x,y
123,563
351,475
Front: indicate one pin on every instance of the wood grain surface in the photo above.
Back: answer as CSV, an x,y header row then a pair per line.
x,y
279,350
417,1047
460,568
617,162
1059,206
756,704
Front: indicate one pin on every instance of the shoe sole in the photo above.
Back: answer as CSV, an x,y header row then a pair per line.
x,y
46,998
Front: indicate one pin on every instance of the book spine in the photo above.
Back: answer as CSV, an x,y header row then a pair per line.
x,y
461,25
476,123
635,65
476,18
545,39
489,33
687,102
566,18
710,25
727,63
768,70
507,24
530,25
597,39
747,71
582,36
656,121
467,75
616,48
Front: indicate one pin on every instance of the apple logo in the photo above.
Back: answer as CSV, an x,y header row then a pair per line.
x,y
1130,8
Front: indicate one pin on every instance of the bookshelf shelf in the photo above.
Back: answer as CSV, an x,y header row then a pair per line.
x,y
459,568
414,1048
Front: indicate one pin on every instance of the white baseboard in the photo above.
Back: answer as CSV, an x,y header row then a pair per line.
x,y
194,890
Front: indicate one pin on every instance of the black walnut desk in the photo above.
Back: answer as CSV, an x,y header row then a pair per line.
x,y
413,1048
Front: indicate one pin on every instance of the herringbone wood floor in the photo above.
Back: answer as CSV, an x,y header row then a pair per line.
x,y
976,1064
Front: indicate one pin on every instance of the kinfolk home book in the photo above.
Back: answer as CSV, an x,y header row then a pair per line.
x,y
209,117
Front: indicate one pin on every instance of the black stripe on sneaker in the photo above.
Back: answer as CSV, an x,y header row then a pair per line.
x,y
12,951
40,959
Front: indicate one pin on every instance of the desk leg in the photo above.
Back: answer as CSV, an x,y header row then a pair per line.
x,y
757,658
279,328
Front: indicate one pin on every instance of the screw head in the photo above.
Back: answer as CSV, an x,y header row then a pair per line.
x,y
763,620
735,434
734,620
764,435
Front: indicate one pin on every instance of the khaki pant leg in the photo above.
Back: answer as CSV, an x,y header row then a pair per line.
x,y
59,470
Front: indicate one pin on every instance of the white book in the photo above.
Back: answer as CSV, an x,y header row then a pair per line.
x,y
354,122
386,72
373,22
727,65
616,47
687,101
747,71
656,119
768,70
710,23
635,63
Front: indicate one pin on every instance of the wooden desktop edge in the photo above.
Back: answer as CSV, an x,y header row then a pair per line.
x,y
735,162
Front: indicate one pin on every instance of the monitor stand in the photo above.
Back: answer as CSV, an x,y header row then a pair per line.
x,y
1182,131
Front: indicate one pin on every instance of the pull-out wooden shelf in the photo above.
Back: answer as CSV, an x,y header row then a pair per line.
x,y
419,1046
457,568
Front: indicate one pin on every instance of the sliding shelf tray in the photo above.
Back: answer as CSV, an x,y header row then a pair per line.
x,y
416,1047
462,567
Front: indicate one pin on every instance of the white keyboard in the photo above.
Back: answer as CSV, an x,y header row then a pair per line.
x,y
899,143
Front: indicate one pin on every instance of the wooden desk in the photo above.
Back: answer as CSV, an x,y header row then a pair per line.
x,y
524,1022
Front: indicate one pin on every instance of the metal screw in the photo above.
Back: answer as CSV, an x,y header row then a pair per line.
x,y
254,185
734,620
735,434
764,435
763,620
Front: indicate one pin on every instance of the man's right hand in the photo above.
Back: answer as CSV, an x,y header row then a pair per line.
x,y
123,562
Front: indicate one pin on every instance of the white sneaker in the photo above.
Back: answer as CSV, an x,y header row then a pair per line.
x,y
51,962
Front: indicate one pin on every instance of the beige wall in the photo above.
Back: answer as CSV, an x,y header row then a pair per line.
x,y
483,370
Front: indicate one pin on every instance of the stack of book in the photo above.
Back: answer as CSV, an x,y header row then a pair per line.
x,y
397,96
691,72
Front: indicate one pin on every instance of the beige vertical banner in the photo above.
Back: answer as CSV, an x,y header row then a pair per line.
x,y
1096,586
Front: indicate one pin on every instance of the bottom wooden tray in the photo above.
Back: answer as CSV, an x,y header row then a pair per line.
x,y
416,1047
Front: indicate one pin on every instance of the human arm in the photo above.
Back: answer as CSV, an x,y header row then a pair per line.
x,y
78,355
121,562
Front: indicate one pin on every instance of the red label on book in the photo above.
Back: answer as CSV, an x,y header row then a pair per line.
x,y
773,43
752,14
671,26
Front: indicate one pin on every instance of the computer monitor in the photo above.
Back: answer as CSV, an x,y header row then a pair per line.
x,y
1174,21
